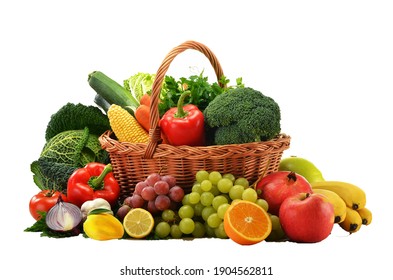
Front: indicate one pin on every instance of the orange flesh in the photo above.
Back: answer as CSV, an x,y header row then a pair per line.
x,y
247,223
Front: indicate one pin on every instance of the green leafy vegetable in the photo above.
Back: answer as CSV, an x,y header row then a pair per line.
x,y
77,116
139,84
111,92
62,154
75,147
51,175
202,91
242,115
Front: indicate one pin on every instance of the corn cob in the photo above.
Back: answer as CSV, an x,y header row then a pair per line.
x,y
125,126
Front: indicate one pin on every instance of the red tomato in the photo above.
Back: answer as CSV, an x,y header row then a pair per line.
x,y
43,201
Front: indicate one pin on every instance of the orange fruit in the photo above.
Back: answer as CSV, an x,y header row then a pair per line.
x,y
247,223
138,223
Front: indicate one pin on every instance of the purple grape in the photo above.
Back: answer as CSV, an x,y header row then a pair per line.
x,y
162,202
122,212
139,187
176,193
151,207
152,179
148,193
171,180
161,187
137,201
128,201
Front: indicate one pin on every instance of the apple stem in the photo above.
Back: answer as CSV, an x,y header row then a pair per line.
x,y
292,176
307,194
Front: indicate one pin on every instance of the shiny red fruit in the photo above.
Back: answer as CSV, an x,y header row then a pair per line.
x,y
43,201
277,186
307,218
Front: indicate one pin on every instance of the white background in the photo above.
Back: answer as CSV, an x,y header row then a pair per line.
x,y
327,63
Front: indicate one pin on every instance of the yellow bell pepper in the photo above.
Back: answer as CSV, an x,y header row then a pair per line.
x,y
103,226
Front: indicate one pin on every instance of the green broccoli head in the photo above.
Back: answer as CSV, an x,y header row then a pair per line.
x,y
242,115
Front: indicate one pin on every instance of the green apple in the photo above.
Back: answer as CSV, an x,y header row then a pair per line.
x,y
303,167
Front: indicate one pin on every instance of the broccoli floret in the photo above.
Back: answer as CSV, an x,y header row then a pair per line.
x,y
77,116
242,115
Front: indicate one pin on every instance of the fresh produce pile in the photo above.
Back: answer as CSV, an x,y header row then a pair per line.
x,y
79,194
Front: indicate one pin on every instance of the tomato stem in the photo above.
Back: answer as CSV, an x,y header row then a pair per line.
x,y
50,193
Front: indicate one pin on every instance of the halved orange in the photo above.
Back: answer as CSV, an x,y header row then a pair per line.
x,y
247,223
138,223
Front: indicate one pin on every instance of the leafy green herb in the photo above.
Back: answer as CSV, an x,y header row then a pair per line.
x,y
202,92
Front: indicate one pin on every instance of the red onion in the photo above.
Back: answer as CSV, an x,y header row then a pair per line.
x,y
63,216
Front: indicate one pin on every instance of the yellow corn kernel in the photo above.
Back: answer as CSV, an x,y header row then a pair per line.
x,y
103,226
125,126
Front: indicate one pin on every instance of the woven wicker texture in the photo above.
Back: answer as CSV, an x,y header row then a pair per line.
x,y
133,162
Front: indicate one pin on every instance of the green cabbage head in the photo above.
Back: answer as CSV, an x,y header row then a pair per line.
x,y
74,147
64,153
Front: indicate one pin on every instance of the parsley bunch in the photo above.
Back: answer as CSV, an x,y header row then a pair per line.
x,y
202,92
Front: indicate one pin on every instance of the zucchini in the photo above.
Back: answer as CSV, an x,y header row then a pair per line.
x,y
102,103
112,91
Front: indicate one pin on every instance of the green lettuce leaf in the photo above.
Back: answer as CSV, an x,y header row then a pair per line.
x,y
139,84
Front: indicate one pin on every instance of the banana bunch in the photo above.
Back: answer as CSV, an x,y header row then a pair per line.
x,y
349,203
348,200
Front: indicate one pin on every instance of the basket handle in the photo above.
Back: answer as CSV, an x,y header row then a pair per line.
x,y
155,132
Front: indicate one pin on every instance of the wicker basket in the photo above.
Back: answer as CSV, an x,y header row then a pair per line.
x,y
133,162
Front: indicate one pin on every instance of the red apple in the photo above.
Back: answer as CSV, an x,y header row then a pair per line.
x,y
306,217
277,186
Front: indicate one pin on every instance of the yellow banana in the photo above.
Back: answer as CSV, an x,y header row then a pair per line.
x,y
339,206
366,215
353,196
352,221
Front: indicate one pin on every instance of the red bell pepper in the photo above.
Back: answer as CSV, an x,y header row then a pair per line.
x,y
95,180
183,125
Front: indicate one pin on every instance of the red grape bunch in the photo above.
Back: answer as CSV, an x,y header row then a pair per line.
x,y
156,194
